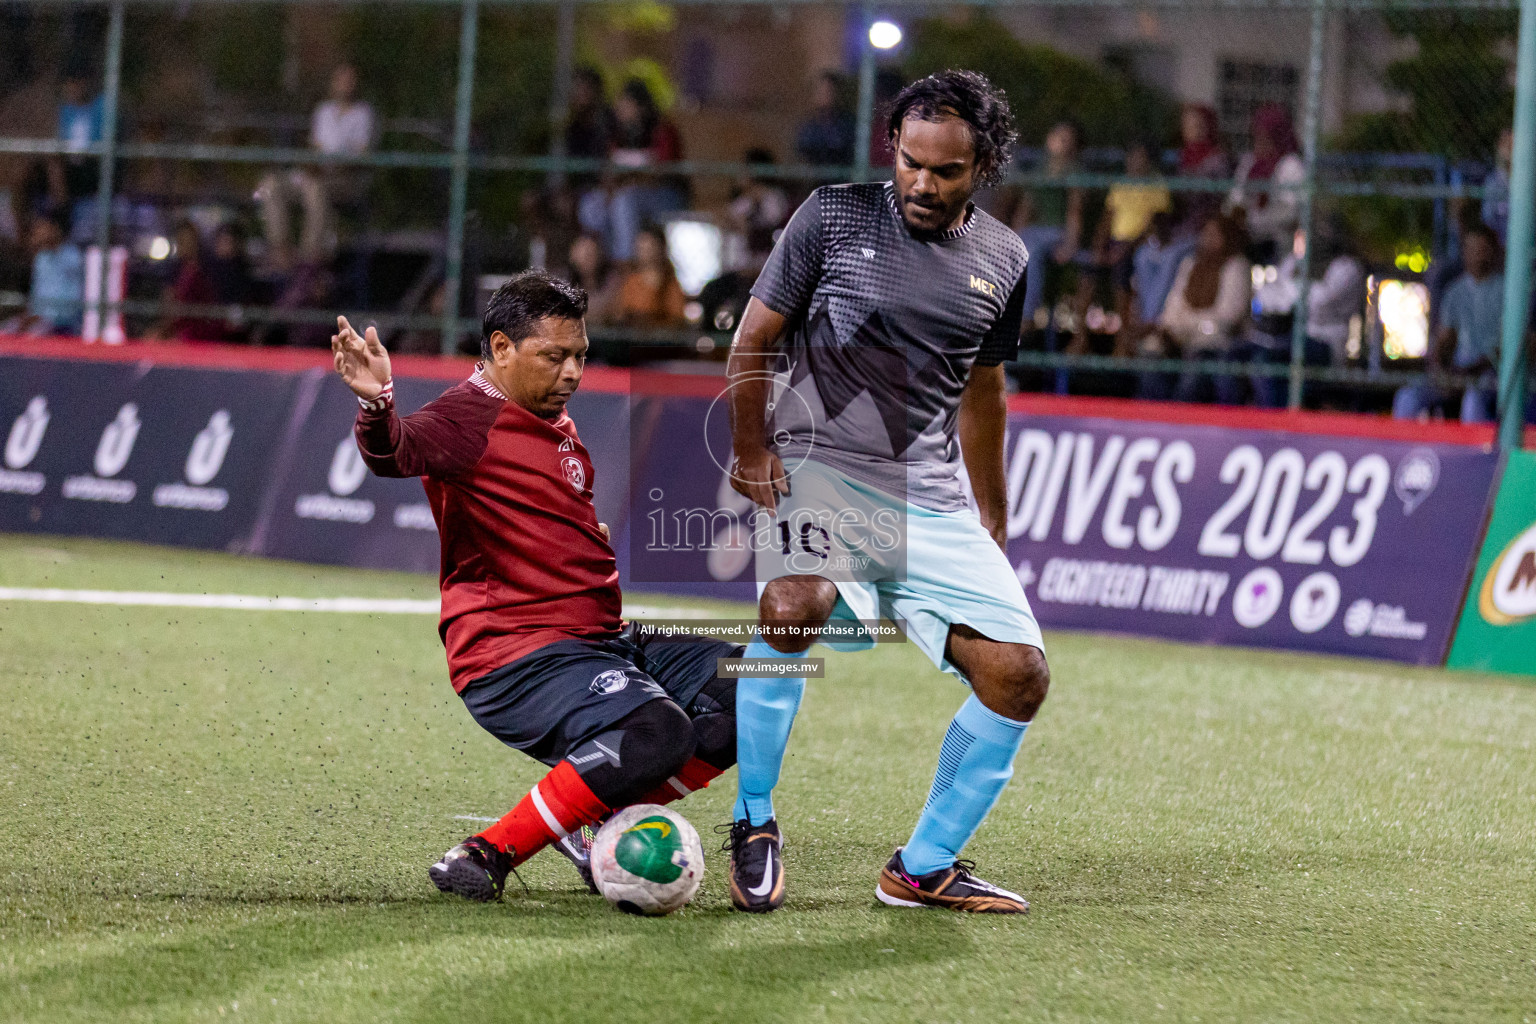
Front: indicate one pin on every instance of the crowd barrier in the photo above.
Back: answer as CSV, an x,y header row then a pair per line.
x,y
1315,532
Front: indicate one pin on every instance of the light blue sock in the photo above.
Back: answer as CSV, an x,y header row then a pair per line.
x,y
765,711
975,763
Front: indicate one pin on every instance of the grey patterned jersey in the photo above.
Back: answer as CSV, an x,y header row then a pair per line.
x,y
883,328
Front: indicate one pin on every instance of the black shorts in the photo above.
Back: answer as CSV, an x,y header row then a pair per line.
x,y
551,701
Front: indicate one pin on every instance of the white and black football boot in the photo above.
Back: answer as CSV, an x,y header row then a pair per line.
x,y
475,869
757,865
951,888
576,847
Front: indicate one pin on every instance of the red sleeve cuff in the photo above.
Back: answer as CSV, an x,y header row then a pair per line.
x,y
385,399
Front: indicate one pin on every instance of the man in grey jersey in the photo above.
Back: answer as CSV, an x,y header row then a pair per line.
x,y
868,357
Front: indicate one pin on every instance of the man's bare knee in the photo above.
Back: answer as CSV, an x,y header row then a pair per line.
x,y
793,609
1011,679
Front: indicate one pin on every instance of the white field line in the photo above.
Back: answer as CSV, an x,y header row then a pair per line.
x,y
472,817
253,602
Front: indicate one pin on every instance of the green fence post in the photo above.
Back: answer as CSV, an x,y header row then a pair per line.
x,y
459,182
110,87
1517,267
560,95
1309,131
866,105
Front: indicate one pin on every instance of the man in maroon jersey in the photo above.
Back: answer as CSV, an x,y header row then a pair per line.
x,y
530,588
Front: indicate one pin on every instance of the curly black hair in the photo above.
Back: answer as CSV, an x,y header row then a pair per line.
x,y
976,101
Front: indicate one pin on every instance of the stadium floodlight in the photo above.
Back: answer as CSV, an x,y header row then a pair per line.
x,y
884,35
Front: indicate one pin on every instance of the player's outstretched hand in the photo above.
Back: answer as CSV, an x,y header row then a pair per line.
x,y
360,359
760,476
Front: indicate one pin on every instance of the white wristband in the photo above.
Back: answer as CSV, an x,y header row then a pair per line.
x,y
385,399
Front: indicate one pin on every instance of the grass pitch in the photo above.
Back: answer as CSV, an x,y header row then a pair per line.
x,y
219,815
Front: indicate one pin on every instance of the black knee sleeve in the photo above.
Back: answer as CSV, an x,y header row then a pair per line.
x,y
714,723
640,751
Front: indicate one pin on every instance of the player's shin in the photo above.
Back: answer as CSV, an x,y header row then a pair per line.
x,y
765,713
560,803
975,763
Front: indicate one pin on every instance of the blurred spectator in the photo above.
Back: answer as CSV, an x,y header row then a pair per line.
x,y
15,50
1201,155
1049,218
425,341
1495,212
82,124
309,287
649,295
548,219
191,287
1205,309
888,84
1128,213
826,136
590,130
1270,216
723,300
59,183
642,137
58,282
758,207
228,271
342,125
589,267
1466,338
1154,266
1335,296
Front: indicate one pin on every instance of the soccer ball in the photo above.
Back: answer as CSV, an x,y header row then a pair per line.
x,y
647,860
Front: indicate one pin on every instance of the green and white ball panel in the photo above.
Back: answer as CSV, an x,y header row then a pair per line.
x,y
647,860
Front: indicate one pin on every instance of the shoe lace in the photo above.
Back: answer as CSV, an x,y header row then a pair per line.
x,y
735,834
967,868
487,850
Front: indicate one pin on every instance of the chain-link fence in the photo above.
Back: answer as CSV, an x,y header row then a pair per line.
x,y
1267,203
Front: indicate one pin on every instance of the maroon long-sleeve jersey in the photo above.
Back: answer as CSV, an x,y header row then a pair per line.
x,y
524,563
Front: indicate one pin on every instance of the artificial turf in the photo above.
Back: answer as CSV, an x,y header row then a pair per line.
x,y
218,815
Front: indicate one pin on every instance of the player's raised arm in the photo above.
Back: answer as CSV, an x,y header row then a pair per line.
x,y
445,437
755,470
361,360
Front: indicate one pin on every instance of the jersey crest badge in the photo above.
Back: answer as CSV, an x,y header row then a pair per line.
x,y
611,681
575,473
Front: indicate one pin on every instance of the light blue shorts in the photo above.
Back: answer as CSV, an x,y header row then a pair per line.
x,y
892,559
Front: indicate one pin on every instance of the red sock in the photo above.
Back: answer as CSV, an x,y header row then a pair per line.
x,y
694,775
559,804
